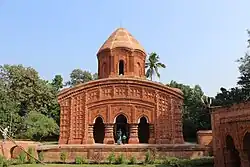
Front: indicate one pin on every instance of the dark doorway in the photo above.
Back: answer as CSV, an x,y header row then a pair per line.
x,y
143,130
232,158
99,130
121,67
246,145
121,124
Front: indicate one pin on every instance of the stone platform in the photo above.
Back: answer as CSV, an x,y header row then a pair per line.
x,y
102,151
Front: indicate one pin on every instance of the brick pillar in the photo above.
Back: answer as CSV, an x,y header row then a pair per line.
x,y
151,134
244,159
90,134
109,134
133,139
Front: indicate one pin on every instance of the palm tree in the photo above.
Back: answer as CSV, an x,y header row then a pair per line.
x,y
152,65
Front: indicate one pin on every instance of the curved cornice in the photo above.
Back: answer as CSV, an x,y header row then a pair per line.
x,y
114,81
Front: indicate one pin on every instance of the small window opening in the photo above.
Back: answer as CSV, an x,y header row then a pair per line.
x,y
121,67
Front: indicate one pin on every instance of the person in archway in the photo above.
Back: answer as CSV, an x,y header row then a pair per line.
x,y
124,137
119,137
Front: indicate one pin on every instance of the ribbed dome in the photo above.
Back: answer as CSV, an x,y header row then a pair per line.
x,y
121,38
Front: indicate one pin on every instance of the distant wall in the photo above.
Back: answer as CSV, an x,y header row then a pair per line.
x,y
204,137
10,150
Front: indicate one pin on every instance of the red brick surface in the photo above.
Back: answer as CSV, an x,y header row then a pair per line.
x,y
205,137
10,150
121,46
230,121
108,98
52,153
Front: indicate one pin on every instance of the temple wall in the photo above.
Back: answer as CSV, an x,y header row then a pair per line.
x,y
231,123
134,98
101,152
10,150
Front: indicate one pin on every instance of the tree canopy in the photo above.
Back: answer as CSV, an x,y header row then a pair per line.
x,y
196,115
22,91
78,76
240,93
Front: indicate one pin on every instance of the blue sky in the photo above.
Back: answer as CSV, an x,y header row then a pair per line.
x,y
199,41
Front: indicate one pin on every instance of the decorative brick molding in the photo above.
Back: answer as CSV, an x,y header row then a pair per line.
x,y
52,152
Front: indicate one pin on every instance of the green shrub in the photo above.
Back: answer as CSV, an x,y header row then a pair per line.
x,y
41,156
148,158
111,158
13,162
121,159
63,156
31,151
172,162
80,160
132,160
204,161
158,161
21,157
199,162
4,162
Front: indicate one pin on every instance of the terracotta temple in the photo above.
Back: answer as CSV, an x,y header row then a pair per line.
x,y
121,99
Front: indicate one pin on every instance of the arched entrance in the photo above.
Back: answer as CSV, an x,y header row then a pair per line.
x,y
99,130
121,67
246,145
143,130
121,123
15,152
232,158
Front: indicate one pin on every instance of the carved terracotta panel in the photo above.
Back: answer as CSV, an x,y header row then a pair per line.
x,y
143,112
120,91
99,111
92,95
121,109
106,92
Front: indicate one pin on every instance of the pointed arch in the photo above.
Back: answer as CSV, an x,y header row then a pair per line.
x,y
121,124
121,113
246,145
231,154
143,130
121,67
143,115
98,131
98,116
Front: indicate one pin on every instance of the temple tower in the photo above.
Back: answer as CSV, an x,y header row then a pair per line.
x,y
121,56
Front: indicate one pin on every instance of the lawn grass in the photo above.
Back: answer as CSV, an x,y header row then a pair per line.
x,y
85,165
